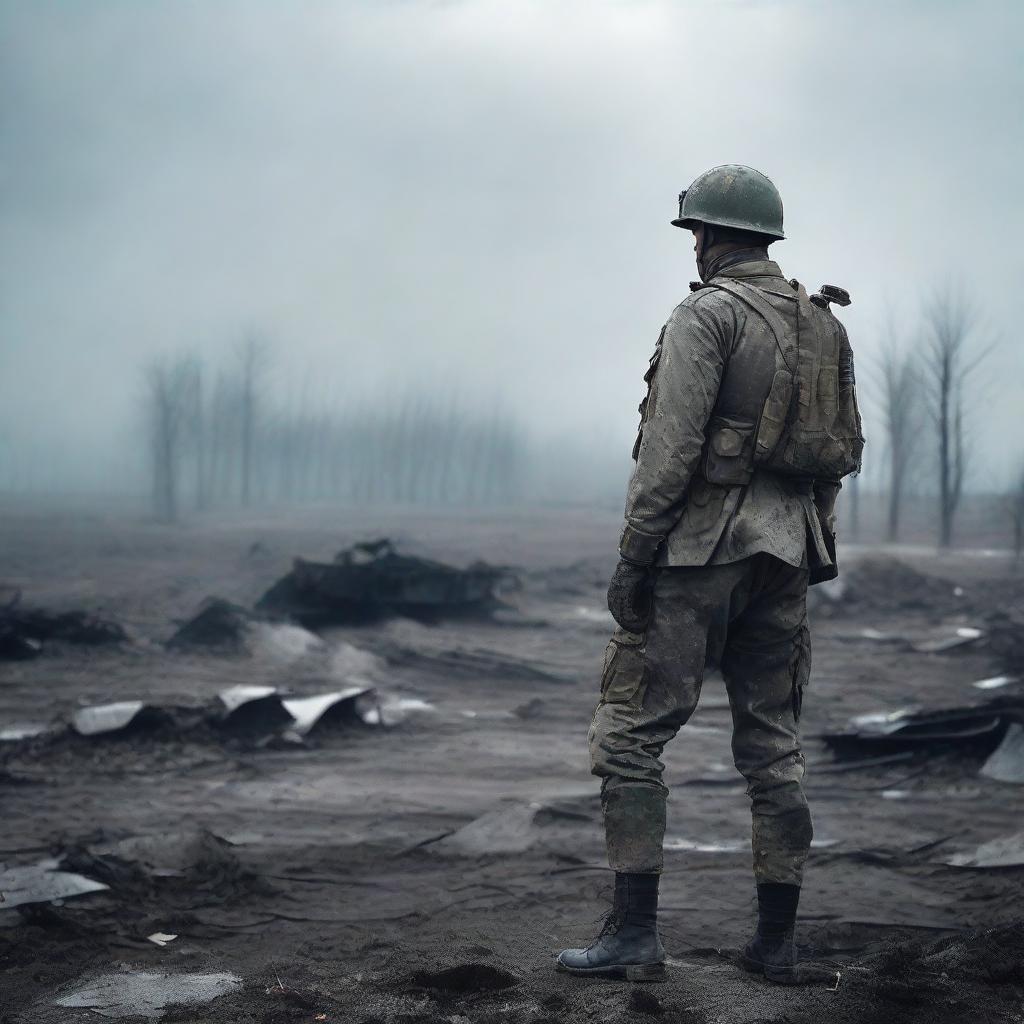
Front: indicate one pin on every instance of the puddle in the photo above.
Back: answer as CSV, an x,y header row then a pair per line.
x,y
144,994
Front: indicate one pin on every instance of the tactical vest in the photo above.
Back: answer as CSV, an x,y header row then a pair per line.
x,y
787,400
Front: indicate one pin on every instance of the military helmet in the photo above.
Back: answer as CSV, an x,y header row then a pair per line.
x,y
732,196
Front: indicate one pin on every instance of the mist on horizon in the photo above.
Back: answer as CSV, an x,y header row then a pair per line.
x,y
447,223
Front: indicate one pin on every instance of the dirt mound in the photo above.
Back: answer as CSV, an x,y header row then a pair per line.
x,y
218,624
642,1001
464,979
888,585
189,864
964,977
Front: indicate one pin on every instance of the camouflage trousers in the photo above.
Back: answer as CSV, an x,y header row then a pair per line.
x,y
750,617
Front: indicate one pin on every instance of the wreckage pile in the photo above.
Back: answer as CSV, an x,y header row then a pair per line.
x,y
367,582
371,581
990,732
239,712
24,630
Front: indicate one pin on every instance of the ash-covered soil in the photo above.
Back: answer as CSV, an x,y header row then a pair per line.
x,y
430,870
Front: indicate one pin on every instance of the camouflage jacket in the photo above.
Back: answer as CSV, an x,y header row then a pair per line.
x,y
673,516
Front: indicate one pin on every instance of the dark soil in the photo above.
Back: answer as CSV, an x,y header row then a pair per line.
x,y
331,876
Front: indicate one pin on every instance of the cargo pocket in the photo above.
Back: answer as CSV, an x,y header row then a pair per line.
x,y
729,457
622,681
801,670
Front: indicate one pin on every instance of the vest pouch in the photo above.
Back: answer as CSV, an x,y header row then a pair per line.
x,y
729,451
774,414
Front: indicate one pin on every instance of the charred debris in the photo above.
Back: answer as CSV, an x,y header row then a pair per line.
x,y
365,583
372,581
25,630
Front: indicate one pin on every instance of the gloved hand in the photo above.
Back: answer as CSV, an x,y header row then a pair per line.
x,y
630,595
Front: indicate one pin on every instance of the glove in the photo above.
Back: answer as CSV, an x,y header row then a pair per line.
x,y
630,595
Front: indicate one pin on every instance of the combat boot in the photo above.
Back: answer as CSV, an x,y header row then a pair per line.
x,y
629,945
772,951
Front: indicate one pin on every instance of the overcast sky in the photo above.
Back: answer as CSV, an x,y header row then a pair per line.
x,y
478,191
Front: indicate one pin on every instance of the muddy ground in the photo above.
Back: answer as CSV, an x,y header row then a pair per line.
x,y
332,878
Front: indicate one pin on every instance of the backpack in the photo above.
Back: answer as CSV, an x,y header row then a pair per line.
x,y
809,424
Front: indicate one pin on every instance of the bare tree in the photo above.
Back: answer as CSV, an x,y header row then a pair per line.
x,y
193,397
952,322
252,359
900,394
169,387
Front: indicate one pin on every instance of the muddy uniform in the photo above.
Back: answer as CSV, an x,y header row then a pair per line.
x,y
735,549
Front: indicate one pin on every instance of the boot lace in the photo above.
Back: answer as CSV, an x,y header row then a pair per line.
x,y
611,922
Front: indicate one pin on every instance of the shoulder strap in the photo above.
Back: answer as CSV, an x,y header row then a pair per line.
x,y
748,294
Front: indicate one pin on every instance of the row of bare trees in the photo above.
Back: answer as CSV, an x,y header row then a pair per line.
x,y
221,440
928,387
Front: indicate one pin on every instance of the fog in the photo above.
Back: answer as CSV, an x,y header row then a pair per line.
x,y
471,200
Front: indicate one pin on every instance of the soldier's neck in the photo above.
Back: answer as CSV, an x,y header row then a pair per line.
x,y
721,257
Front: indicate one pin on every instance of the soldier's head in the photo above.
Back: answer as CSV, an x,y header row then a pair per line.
x,y
728,208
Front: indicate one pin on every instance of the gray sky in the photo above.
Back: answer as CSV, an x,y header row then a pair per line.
x,y
477,191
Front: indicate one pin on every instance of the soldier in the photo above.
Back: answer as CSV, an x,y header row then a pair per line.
x,y
749,424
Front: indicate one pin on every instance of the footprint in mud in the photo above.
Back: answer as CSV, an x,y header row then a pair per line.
x,y
642,1001
463,979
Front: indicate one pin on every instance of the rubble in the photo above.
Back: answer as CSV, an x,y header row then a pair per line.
x,y
253,710
1006,762
218,624
310,713
23,731
170,873
994,682
1003,852
959,637
507,829
121,717
976,729
43,883
371,581
24,631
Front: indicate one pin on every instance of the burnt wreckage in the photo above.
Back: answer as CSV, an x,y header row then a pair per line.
x,y
371,581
